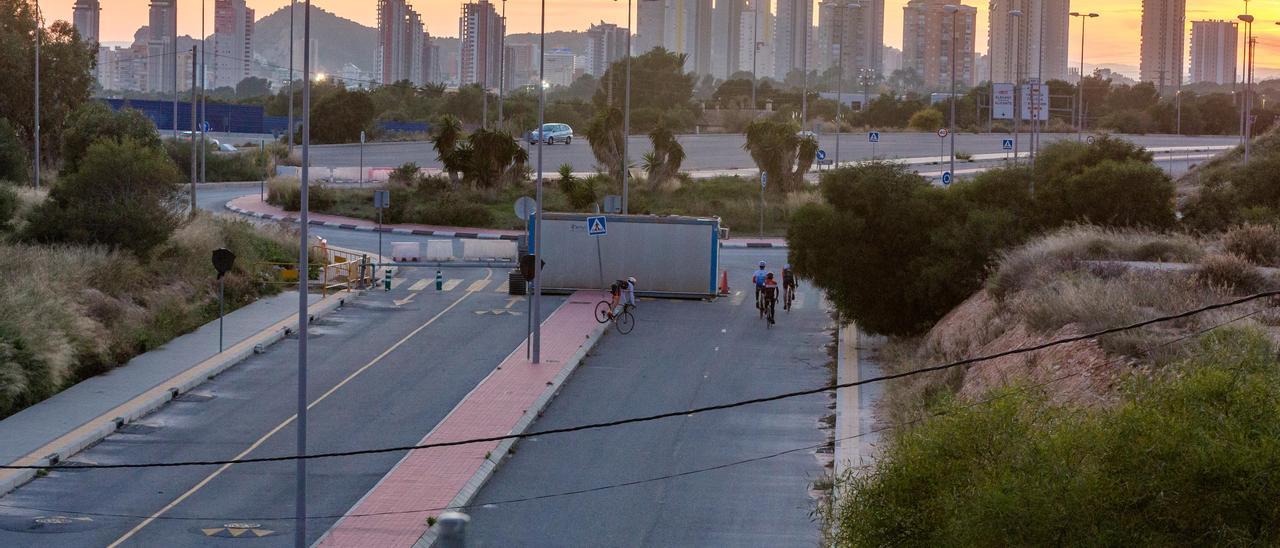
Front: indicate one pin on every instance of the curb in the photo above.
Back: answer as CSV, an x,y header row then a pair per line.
x,y
197,375
473,485
365,228
752,245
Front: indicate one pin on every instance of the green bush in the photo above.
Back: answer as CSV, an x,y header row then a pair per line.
x,y
1259,244
581,193
94,122
220,167
121,197
926,119
9,205
286,193
406,174
14,165
1187,459
1131,193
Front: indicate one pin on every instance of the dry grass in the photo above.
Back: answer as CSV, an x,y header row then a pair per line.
x,y
1258,244
74,311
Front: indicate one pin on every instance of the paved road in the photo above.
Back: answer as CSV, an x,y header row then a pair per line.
x,y
394,401
681,354
725,151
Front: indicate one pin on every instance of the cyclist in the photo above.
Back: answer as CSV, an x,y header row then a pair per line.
x,y
623,293
757,279
770,292
788,285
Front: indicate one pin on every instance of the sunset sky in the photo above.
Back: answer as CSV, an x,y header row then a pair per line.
x,y
1113,38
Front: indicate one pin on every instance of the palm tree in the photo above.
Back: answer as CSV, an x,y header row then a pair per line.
x,y
780,152
605,136
446,137
667,156
493,154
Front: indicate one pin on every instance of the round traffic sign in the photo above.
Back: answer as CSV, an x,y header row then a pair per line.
x,y
822,155
943,132
1090,139
946,178
525,206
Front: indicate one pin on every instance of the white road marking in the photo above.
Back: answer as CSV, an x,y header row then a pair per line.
x,y
419,285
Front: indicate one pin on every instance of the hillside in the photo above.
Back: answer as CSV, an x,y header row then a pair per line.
x,y
338,41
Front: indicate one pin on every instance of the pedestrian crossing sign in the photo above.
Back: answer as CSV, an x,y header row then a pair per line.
x,y
597,226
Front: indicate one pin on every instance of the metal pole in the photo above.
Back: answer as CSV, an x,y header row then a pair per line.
x,y
626,123
762,183
1017,86
292,45
502,61
1035,140
300,501
262,185
755,47
37,99
204,96
804,89
954,11
378,262
191,151
1080,83
173,11
221,308
537,222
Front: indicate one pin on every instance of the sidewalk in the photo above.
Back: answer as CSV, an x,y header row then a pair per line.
x,y
856,440
505,402
255,207
79,416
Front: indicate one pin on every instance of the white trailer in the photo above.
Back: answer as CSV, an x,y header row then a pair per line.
x,y
669,256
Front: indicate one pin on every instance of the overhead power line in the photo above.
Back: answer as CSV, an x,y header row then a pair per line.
x,y
682,413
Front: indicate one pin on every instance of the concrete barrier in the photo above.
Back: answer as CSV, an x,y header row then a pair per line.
x,y
488,249
406,252
439,250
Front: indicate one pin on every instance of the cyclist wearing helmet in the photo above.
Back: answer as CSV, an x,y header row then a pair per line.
x,y
757,279
623,293
788,284
770,292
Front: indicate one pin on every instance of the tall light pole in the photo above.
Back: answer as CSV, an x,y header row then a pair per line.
x,y
953,10
300,493
840,81
755,47
1248,86
36,126
626,120
1084,17
292,45
502,61
537,221
804,87
1016,15
173,19
1039,93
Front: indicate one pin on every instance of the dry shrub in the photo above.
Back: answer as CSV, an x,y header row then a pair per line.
x,y
1258,244
1228,273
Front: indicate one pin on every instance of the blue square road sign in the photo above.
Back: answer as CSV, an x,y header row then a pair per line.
x,y
597,226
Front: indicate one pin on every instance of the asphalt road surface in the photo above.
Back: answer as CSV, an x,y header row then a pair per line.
x,y
682,354
360,401
721,151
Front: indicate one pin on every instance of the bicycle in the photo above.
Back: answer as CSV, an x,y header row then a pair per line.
x,y
789,295
624,321
767,311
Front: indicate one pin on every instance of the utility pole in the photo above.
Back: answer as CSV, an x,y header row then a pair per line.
x,y
173,12
1017,86
191,150
292,44
36,127
1084,18
1248,86
1039,89
537,222
953,10
204,96
804,88
755,48
626,122
300,494
502,61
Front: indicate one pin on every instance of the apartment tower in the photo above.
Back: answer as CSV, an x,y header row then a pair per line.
x,y
927,34
1163,43
1213,51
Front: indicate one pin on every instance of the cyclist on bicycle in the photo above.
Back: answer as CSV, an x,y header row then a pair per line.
x,y
757,279
788,282
770,293
623,293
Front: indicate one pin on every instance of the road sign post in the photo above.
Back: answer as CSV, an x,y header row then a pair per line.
x,y
821,156
942,141
381,201
360,177
223,260
874,138
764,181
1007,146
598,226
946,178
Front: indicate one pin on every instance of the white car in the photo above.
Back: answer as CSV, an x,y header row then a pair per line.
x,y
553,132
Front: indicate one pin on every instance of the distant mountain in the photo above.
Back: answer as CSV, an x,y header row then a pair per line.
x,y
338,41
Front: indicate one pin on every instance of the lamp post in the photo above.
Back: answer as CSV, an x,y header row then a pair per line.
x,y
1039,94
537,221
1177,99
1248,86
1084,17
174,21
292,4
840,82
502,61
953,10
204,96
804,86
300,493
36,126
626,121
755,48
1017,85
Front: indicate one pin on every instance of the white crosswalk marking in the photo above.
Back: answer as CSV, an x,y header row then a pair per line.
x,y
479,285
419,285
450,284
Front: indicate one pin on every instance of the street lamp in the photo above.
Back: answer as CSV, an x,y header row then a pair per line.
x,y
626,120
36,126
502,61
1248,86
537,226
1017,86
840,82
755,47
1084,17
953,10
300,493
292,44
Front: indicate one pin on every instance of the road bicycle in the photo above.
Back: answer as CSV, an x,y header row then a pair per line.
x,y
624,322
766,311
790,295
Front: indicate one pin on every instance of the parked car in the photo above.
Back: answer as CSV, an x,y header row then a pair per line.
x,y
554,132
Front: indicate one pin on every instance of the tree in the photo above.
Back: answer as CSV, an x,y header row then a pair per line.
x,y
253,87
121,197
94,122
341,116
493,154
14,165
780,153
661,91
606,139
927,119
66,74
664,162
446,137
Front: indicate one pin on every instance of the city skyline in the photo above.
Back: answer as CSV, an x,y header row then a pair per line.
x,y
1112,39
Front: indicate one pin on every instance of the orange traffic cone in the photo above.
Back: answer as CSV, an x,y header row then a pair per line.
x,y
724,283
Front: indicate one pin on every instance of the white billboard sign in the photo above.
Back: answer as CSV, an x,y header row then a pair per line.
x,y
1035,102
1002,95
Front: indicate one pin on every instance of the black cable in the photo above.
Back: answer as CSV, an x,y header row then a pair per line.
x,y
687,412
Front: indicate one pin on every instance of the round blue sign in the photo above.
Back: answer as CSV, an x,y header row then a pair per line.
x,y
822,155
946,178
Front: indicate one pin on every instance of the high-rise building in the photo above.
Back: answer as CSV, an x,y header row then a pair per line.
x,y
703,14
1163,43
163,18
561,67
850,36
763,58
927,42
85,17
606,43
728,35
680,30
402,43
1213,51
435,68
792,24
481,30
521,66
1021,45
650,25
232,42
